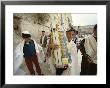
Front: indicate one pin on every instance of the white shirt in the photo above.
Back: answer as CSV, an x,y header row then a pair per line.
x,y
43,39
73,67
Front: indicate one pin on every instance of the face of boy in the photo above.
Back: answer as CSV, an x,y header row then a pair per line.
x,y
27,39
70,35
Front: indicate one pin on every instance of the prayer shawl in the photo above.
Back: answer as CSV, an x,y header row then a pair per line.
x,y
91,48
73,66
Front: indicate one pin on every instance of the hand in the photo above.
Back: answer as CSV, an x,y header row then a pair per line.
x,y
56,46
65,67
90,61
51,46
43,45
69,65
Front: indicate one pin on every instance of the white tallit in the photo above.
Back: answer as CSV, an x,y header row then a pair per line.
x,y
73,67
91,47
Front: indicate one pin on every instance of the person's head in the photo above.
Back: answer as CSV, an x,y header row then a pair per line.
x,y
43,33
26,35
95,30
70,34
54,29
57,25
76,32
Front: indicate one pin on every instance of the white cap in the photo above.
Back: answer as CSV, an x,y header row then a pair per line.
x,y
25,32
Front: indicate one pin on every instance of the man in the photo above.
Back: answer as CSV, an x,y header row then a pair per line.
x,y
50,52
43,42
29,50
88,48
72,53
54,52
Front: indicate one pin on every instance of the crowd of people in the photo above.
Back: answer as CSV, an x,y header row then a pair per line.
x,y
51,49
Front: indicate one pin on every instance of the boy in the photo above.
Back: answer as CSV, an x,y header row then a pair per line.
x,y
30,55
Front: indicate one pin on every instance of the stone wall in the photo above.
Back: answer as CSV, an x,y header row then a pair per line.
x,y
36,22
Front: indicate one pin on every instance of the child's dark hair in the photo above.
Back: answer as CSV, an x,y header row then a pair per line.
x,y
26,35
72,29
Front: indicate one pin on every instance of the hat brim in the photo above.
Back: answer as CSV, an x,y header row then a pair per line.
x,y
26,35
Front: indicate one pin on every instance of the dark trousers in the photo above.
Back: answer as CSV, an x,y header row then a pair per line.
x,y
30,62
84,70
92,69
88,68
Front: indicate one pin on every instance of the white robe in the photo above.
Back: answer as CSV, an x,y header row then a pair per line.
x,y
73,67
18,55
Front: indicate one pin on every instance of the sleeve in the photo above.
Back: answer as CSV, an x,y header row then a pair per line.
x,y
41,40
36,46
39,52
45,40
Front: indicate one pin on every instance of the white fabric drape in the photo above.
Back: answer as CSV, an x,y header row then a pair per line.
x,y
73,67
91,47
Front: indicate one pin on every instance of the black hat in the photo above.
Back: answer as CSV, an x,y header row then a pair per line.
x,y
43,31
